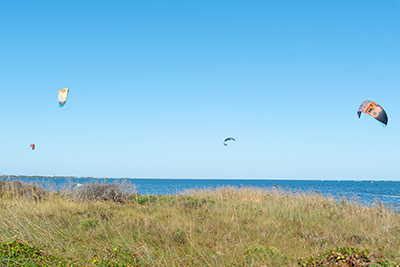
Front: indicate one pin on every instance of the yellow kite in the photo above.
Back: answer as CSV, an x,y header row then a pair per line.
x,y
62,97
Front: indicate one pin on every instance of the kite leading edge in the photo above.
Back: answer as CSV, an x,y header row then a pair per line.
x,y
373,109
228,139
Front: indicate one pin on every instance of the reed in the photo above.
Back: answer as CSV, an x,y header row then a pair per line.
x,y
227,226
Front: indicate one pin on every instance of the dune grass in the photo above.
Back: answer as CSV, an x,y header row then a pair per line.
x,y
227,226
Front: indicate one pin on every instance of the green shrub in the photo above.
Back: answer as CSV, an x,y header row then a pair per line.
x,y
17,253
191,202
88,224
143,199
345,256
179,235
180,200
166,200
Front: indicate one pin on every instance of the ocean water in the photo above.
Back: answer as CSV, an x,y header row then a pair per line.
x,y
367,192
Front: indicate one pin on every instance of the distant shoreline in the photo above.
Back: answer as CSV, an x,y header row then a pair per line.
x,y
6,176
167,178
53,176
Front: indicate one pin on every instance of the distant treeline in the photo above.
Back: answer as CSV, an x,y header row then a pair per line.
x,y
53,176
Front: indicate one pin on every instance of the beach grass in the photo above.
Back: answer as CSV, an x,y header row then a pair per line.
x,y
227,226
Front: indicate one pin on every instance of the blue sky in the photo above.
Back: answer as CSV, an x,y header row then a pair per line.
x,y
156,86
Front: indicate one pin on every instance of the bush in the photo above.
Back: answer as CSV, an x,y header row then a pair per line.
x,y
143,199
19,189
344,256
180,200
179,235
191,202
117,192
88,224
17,253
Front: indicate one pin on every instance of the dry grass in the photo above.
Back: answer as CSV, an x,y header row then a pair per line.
x,y
223,227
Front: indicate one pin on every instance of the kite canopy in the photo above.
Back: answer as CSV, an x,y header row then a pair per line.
x,y
228,139
373,109
32,146
62,97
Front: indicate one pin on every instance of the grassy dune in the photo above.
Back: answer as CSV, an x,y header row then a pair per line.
x,y
223,227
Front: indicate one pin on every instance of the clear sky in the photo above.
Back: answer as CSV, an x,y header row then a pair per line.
x,y
156,86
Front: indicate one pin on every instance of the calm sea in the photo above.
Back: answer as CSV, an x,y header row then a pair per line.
x,y
367,192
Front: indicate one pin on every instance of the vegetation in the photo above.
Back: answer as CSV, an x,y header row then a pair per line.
x,y
117,192
109,225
